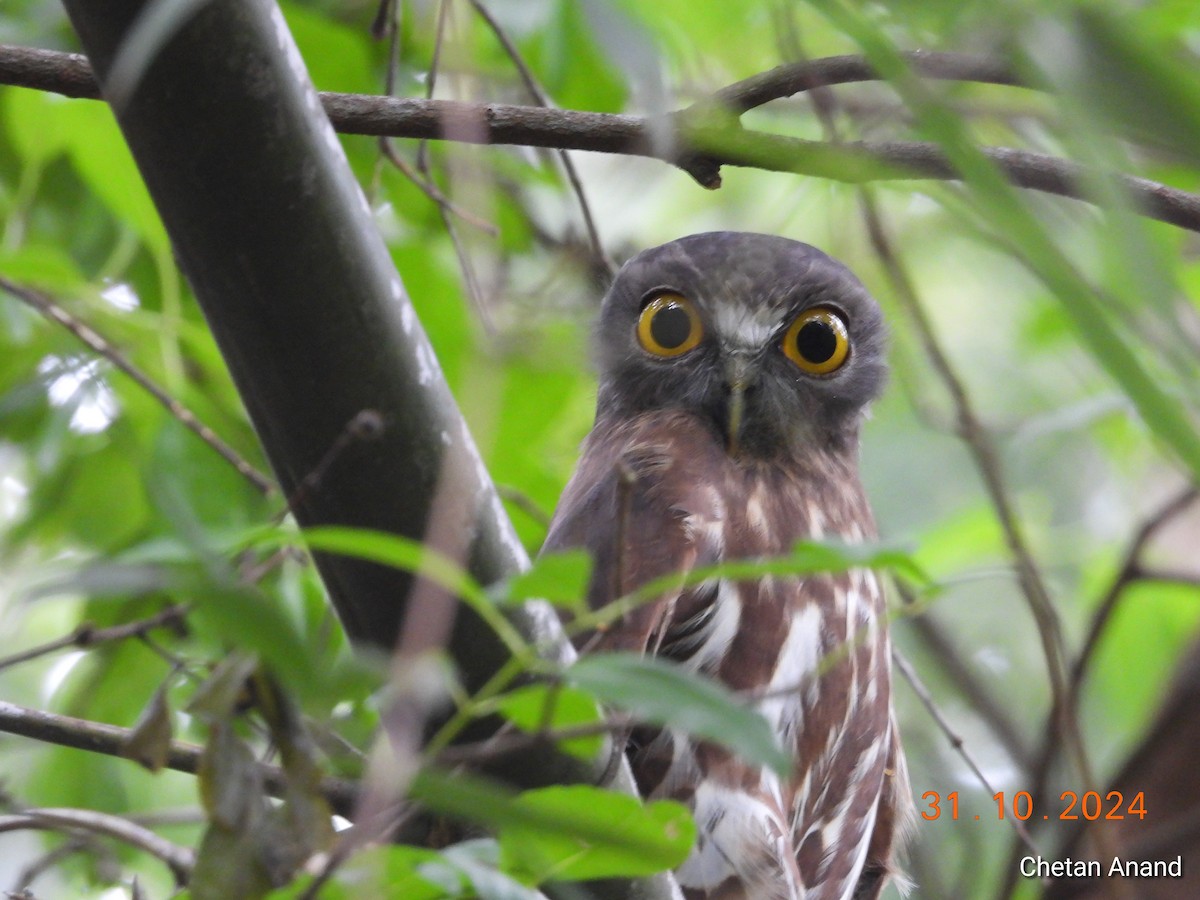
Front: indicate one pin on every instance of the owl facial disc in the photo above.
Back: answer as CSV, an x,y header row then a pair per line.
x,y
776,347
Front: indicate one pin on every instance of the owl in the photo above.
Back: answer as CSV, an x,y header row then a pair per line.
x,y
735,371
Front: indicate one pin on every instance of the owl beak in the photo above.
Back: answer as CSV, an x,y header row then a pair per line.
x,y
739,373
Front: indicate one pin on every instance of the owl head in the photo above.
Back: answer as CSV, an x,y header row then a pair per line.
x,y
774,344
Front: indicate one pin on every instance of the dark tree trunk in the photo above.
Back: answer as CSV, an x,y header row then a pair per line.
x,y
273,234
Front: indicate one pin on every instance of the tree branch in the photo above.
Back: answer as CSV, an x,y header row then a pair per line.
x,y
87,635
178,859
974,690
955,739
810,74
694,139
111,740
1129,571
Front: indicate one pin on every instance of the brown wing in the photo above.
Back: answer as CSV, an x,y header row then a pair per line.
x,y
633,507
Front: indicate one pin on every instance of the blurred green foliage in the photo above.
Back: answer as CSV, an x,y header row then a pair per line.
x,y
1075,330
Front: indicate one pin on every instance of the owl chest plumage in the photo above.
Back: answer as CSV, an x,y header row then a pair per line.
x,y
658,493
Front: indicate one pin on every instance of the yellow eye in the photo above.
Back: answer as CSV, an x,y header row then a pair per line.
x,y
817,341
669,326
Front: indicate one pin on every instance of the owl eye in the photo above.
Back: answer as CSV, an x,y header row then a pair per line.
x,y
817,341
669,326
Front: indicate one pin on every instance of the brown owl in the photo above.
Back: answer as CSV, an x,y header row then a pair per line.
x,y
735,370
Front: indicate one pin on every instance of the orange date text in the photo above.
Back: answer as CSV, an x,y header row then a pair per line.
x,y
1090,805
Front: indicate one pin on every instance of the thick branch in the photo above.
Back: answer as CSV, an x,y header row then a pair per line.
x,y
304,301
311,317
692,141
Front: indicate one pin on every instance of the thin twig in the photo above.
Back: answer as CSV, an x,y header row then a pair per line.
x,y
468,270
386,23
524,503
955,740
977,693
1129,571
461,130
543,99
179,860
825,105
805,75
439,41
987,462
161,818
1165,576
668,139
509,742
1029,577
432,191
86,635
89,336
367,425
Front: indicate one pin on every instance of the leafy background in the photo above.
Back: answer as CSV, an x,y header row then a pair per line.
x,y
109,507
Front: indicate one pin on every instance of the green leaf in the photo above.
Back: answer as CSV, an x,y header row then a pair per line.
x,y
1148,89
395,872
577,72
230,782
103,161
527,708
219,496
807,558
36,125
98,497
663,693
253,621
655,837
337,57
225,689
557,829
149,742
397,552
478,861
45,266
412,556
108,579
229,867
559,578
243,851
